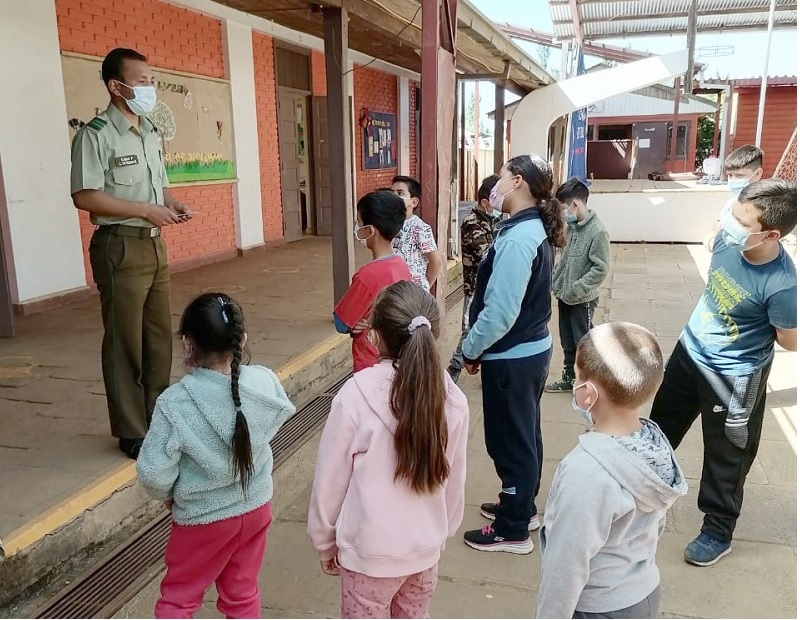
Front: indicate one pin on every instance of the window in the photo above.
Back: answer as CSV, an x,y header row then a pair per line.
x,y
683,134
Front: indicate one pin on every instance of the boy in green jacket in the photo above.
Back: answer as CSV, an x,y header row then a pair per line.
x,y
584,264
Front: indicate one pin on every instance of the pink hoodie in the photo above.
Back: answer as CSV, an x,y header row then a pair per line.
x,y
380,527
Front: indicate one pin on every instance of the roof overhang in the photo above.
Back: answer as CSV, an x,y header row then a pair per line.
x,y
391,30
607,19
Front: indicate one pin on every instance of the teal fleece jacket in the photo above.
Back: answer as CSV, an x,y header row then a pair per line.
x,y
585,262
186,454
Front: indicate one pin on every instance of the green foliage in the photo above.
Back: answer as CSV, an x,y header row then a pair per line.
x,y
705,139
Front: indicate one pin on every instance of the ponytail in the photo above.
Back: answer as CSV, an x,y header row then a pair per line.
x,y
554,224
407,319
242,456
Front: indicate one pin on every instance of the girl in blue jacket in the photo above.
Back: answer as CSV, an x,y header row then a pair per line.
x,y
207,456
510,343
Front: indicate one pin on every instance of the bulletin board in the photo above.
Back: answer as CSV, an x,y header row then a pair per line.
x,y
380,141
193,116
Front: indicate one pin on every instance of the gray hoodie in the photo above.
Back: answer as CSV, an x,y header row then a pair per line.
x,y
605,513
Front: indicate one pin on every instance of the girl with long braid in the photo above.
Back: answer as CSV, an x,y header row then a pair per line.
x,y
207,456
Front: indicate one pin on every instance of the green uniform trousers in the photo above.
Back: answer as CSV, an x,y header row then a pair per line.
x,y
132,275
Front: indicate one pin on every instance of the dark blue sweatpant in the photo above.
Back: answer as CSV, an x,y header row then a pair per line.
x,y
512,391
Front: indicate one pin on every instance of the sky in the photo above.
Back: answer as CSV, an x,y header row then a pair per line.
x,y
747,59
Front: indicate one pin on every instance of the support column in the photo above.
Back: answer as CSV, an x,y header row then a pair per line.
x,y
673,150
499,125
336,57
462,191
240,68
717,130
762,98
404,129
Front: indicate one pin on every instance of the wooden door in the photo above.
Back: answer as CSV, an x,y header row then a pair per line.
x,y
290,167
322,169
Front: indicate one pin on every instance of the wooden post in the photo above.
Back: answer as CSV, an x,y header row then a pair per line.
x,y
499,125
335,27
717,130
476,136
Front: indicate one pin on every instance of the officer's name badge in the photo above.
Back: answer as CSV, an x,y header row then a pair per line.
x,y
126,160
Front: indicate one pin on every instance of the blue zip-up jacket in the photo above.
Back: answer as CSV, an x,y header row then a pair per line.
x,y
511,308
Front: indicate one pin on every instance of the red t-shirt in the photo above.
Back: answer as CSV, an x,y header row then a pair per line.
x,y
357,302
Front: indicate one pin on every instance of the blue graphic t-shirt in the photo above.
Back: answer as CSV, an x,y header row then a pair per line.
x,y
732,329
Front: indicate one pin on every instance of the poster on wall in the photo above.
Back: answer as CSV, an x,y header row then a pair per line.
x,y
193,117
380,140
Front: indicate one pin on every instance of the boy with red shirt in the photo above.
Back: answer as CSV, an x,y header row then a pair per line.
x,y
380,217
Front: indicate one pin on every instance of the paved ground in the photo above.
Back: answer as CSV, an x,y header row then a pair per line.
x,y
656,286
55,435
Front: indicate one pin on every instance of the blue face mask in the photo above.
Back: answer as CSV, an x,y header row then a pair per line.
x,y
735,236
569,218
737,185
586,414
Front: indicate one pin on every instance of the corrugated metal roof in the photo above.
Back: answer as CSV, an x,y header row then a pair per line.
x,y
603,19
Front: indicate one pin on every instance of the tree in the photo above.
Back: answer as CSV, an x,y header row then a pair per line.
x,y
470,116
705,139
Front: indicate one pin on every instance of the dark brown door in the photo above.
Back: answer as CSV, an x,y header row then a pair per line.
x,y
6,307
321,165
651,152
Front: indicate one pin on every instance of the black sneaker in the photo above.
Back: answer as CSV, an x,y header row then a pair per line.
x,y
454,373
485,539
131,447
565,385
489,510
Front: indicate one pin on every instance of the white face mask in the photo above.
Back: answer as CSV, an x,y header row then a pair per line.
x,y
496,199
359,239
144,99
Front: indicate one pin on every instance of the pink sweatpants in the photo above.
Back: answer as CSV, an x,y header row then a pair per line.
x,y
227,552
388,597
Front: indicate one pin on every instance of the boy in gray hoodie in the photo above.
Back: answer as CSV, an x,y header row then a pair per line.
x,y
609,498
584,264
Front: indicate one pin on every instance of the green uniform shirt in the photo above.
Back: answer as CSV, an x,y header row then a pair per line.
x,y
111,155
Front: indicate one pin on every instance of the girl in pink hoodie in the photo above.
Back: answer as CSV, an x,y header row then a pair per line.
x,y
389,484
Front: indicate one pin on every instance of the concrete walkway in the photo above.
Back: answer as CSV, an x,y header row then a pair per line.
x,y
55,433
656,286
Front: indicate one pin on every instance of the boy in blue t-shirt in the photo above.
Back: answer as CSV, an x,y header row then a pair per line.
x,y
720,366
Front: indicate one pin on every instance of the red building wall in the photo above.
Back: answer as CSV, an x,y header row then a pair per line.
x,y
172,38
376,91
319,85
780,120
268,150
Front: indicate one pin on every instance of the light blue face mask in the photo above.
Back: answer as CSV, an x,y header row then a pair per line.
x,y
586,414
569,218
735,236
735,186
144,99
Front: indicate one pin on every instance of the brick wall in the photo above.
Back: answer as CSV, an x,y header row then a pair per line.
x,y
412,123
376,91
780,112
172,38
319,85
268,151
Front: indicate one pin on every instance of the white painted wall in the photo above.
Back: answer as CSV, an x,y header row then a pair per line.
x,y
34,147
659,216
240,69
404,129
632,104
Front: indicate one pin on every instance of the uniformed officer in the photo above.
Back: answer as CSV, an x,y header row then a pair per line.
x,y
118,176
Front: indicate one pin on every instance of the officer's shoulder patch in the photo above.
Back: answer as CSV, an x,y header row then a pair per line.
x,y
97,123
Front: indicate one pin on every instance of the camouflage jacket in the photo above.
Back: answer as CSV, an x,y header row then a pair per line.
x,y
477,231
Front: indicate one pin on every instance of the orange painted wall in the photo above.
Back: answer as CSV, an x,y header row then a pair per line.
x,y
780,120
376,91
269,155
319,85
172,38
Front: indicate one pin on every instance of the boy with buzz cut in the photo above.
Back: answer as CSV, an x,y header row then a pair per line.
x,y
584,265
609,499
721,363
743,166
416,243
380,215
